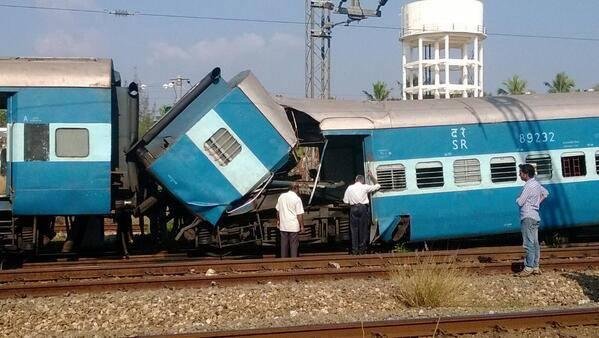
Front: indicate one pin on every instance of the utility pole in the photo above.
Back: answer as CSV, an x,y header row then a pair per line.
x,y
318,40
318,44
177,85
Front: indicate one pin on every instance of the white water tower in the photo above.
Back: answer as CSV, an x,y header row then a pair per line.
x,y
442,48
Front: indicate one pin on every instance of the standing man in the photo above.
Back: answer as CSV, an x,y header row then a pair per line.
x,y
529,201
290,215
356,196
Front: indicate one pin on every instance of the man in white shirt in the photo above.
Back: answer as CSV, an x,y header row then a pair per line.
x,y
290,215
356,196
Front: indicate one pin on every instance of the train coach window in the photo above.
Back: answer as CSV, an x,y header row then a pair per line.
x,y
72,142
429,175
466,172
542,162
597,161
391,177
37,142
573,164
503,169
222,146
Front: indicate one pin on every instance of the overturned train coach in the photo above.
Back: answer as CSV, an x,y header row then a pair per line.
x,y
216,162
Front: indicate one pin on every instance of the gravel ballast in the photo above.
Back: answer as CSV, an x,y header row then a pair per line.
x,y
277,304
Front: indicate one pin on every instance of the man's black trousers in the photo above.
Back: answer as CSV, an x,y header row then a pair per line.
x,y
359,223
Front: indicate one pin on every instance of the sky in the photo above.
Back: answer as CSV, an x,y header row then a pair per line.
x,y
158,48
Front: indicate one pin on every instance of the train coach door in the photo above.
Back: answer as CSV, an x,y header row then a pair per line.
x,y
5,104
342,161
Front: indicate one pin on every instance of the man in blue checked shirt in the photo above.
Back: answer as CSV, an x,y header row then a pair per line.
x,y
529,201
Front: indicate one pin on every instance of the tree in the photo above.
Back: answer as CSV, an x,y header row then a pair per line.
x,y
380,92
561,84
164,109
2,117
145,122
513,86
596,88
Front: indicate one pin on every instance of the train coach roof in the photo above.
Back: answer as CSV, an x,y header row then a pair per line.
x,y
55,72
348,115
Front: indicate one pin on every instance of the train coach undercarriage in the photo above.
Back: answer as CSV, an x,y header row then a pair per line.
x,y
87,235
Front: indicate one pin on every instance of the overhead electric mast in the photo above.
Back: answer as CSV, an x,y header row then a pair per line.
x,y
318,40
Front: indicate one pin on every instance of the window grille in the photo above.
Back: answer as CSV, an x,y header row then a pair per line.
x,y
391,177
222,146
72,142
503,169
543,166
429,175
467,172
573,165
37,142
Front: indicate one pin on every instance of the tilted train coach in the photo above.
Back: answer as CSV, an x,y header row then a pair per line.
x,y
449,168
217,160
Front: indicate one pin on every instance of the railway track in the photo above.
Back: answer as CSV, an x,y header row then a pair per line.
x,y
42,281
425,327
182,265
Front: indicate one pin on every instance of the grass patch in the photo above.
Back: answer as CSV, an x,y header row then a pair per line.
x,y
400,248
431,283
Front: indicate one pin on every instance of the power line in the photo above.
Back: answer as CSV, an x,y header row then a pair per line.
x,y
552,37
121,12
57,9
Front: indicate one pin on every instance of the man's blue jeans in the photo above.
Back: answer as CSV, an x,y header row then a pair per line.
x,y
530,241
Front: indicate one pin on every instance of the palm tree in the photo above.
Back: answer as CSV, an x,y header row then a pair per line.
x,y
561,84
380,92
513,86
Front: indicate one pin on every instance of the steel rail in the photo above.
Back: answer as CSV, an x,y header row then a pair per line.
x,y
160,257
125,268
424,327
164,257
234,278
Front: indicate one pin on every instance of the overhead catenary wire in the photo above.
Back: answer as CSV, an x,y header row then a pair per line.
x,y
121,12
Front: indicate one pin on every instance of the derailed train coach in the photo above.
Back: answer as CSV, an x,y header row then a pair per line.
x,y
449,168
73,150
215,152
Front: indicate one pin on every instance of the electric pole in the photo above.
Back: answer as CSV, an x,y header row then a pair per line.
x,y
177,85
318,40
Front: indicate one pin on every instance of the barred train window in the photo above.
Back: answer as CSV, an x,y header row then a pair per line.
x,y
37,142
573,164
503,169
466,172
597,161
429,175
543,165
391,177
222,146
72,142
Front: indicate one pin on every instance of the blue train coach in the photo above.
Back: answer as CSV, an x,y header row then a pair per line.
x,y
59,135
68,123
449,168
217,145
